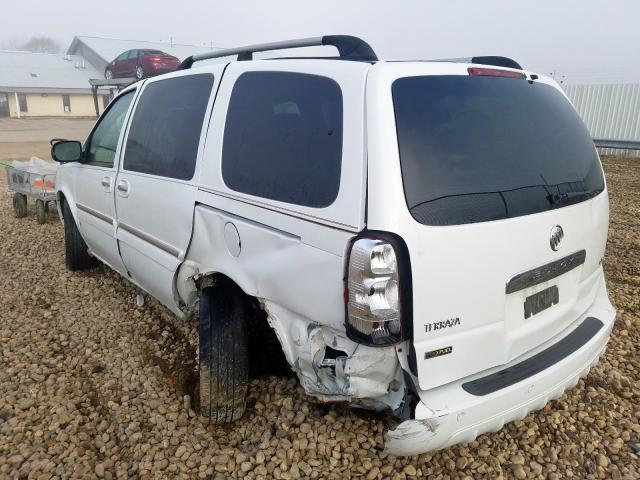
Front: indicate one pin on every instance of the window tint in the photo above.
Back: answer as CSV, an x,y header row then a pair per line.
x,y
283,138
165,130
474,149
123,55
104,139
132,54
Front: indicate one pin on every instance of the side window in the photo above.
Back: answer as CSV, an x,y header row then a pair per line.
x,y
283,138
165,130
133,54
104,139
123,55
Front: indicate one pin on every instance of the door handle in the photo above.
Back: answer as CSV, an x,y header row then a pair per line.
x,y
106,184
123,188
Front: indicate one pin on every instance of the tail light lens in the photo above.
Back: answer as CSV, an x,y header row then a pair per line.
x,y
158,59
374,297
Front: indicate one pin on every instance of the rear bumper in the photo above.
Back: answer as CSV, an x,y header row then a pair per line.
x,y
450,414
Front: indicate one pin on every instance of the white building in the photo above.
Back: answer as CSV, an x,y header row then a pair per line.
x,y
45,85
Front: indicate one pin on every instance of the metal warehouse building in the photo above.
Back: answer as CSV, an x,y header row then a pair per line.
x,y
611,113
44,84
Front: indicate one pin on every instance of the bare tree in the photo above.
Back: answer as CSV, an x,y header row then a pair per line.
x,y
41,45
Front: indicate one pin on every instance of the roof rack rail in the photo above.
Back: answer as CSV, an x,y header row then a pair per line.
x,y
494,60
349,48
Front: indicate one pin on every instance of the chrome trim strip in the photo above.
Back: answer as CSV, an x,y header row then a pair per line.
x,y
545,272
283,210
171,250
95,213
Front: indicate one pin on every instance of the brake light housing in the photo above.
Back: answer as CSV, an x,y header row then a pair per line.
x,y
378,290
495,72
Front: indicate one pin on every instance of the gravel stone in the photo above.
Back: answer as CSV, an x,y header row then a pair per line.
x,y
93,386
410,470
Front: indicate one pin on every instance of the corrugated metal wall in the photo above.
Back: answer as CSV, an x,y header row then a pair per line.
x,y
611,112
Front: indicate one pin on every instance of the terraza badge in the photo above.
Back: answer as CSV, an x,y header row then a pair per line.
x,y
451,322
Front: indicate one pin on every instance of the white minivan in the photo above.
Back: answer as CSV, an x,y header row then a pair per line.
x,y
423,238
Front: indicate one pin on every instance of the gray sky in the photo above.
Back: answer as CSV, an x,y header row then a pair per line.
x,y
586,41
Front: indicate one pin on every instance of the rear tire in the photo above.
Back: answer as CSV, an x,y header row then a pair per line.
x,y
41,211
139,72
224,355
76,252
19,205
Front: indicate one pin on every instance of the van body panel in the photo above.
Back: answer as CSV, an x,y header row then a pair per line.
x,y
155,213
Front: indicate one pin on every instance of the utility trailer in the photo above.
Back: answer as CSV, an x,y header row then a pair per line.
x,y
32,179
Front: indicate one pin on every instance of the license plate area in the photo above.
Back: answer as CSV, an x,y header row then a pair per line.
x,y
541,301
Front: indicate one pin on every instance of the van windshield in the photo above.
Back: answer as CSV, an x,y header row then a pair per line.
x,y
481,148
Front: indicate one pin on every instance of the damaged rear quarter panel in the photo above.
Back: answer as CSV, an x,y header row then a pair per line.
x,y
275,262
300,285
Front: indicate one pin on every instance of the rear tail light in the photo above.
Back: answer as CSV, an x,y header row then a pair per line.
x,y
159,59
375,294
495,72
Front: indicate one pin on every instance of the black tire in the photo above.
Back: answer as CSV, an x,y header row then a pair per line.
x,y
41,211
224,355
19,205
76,253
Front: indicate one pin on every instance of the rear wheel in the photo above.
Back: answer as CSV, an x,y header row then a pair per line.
x,y
224,355
19,205
41,211
76,252
139,72
108,74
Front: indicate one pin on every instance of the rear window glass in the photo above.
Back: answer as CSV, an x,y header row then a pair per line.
x,y
165,130
283,138
474,149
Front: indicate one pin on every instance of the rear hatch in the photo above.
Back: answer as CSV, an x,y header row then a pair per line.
x,y
504,214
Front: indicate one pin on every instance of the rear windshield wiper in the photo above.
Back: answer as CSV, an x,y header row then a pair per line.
x,y
567,198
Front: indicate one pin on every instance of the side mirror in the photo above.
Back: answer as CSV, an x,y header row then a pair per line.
x,y
66,151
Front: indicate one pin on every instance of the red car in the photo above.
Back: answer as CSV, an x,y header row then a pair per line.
x,y
141,64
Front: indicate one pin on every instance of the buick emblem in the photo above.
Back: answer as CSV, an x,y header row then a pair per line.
x,y
556,237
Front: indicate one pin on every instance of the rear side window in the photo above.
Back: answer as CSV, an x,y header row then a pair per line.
x,y
165,130
475,149
283,138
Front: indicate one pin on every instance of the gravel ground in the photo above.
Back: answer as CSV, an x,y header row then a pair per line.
x,y
92,386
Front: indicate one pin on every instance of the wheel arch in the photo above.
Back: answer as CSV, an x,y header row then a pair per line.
x,y
190,283
63,196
